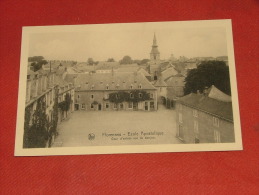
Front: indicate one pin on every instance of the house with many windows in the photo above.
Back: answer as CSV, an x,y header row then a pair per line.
x,y
205,118
114,91
40,109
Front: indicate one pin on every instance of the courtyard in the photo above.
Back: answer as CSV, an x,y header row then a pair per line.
x,y
99,128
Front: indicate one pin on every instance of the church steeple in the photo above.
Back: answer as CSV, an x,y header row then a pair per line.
x,y
154,54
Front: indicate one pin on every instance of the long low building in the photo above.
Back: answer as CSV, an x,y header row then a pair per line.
x,y
114,91
205,118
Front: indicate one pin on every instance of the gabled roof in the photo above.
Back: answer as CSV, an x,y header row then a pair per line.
x,y
145,73
216,94
114,81
169,72
209,105
160,83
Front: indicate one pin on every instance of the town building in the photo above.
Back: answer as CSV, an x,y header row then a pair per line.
x,y
175,89
205,118
41,94
114,91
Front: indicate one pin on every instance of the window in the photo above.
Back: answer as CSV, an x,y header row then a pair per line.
x,y
151,95
78,96
114,106
196,127
92,87
140,95
215,122
131,95
160,88
106,96
107,105
107,87
131,86
117,86
180,118
195,113
83,106
130,105
139,86
92,96
92,106
217,136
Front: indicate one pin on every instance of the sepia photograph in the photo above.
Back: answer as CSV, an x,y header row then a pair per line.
x,y
128,88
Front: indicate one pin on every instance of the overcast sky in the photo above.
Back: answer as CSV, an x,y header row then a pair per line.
x,y
104,41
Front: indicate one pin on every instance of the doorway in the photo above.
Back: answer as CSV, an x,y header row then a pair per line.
x,y
146,106
99,106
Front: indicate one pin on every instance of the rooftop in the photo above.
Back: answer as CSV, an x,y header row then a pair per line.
x,y
209,104
111,81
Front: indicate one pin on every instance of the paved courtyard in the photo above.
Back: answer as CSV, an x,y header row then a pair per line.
x,y
93,128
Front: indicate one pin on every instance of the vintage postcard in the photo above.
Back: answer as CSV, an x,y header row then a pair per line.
x,y
128,88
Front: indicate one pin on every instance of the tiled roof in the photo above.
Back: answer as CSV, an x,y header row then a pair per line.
x,y
115,81
209,105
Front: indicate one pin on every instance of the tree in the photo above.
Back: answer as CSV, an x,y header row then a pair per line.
x,y
90,61
37,62
126,60
65,105
110,60
206,74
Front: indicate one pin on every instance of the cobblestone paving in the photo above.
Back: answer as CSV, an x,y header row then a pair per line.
x,y
95,128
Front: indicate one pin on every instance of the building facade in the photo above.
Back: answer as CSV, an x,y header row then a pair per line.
x,y
40,110
202,118
114,91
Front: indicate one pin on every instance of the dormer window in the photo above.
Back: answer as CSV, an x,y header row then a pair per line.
x,y
131,95
140,86
92,87
131,86
107,87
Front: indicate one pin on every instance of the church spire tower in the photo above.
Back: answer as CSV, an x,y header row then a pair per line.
x,y
154,54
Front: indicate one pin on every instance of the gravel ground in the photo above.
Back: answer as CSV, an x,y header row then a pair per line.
x,y
93,128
